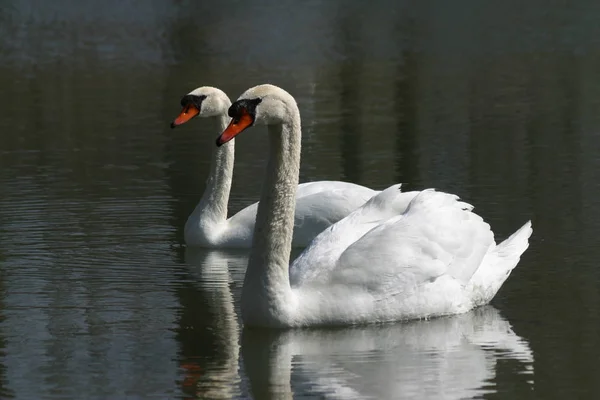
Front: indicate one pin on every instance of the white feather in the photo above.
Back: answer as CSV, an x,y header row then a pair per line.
x,y
398,256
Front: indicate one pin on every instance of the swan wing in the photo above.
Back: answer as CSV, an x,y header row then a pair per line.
x,y
319,210
317,261
437,235
308,188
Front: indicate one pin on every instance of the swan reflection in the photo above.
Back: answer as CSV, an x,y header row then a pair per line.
x,y
451,358
209,329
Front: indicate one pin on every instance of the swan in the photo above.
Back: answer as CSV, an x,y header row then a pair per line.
x,y
435,257
318,204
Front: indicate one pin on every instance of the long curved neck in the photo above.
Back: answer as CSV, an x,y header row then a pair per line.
x,y
213,204
266,288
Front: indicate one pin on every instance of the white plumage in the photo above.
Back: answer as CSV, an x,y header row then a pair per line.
x,y
399,256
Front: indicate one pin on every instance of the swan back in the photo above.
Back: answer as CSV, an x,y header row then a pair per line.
x,y
436,235
320,257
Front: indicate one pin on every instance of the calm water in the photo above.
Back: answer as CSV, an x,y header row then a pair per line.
x,y
495,101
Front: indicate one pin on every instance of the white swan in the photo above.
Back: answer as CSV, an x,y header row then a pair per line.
x,y
318,204
435,258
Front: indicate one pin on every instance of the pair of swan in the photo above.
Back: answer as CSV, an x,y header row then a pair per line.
x,y
398,256
318,204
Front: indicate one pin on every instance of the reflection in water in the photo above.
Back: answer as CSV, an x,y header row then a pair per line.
x,y
450,358
208,327
5,391
79,324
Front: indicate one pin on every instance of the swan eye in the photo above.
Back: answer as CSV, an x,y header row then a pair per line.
x,y
193,99
255,101
244,106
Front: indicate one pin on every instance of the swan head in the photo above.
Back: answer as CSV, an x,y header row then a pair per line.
x,y
260,105
204,102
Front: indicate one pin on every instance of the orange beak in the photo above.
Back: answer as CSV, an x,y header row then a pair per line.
x,y
188,112
235,127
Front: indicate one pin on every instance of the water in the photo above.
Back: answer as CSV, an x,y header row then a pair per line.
x,y
495,101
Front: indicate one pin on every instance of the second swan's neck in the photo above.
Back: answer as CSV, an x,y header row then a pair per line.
x,y
266,293
213,204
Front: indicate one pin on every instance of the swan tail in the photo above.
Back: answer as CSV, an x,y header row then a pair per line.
x,y
498,264
511,249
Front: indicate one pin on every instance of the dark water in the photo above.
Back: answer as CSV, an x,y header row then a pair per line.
x,y
495,101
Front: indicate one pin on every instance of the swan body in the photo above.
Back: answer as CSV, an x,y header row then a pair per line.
x,y
318,204
399,256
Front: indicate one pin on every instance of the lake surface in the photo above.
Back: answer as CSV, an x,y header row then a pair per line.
x,y
495,101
